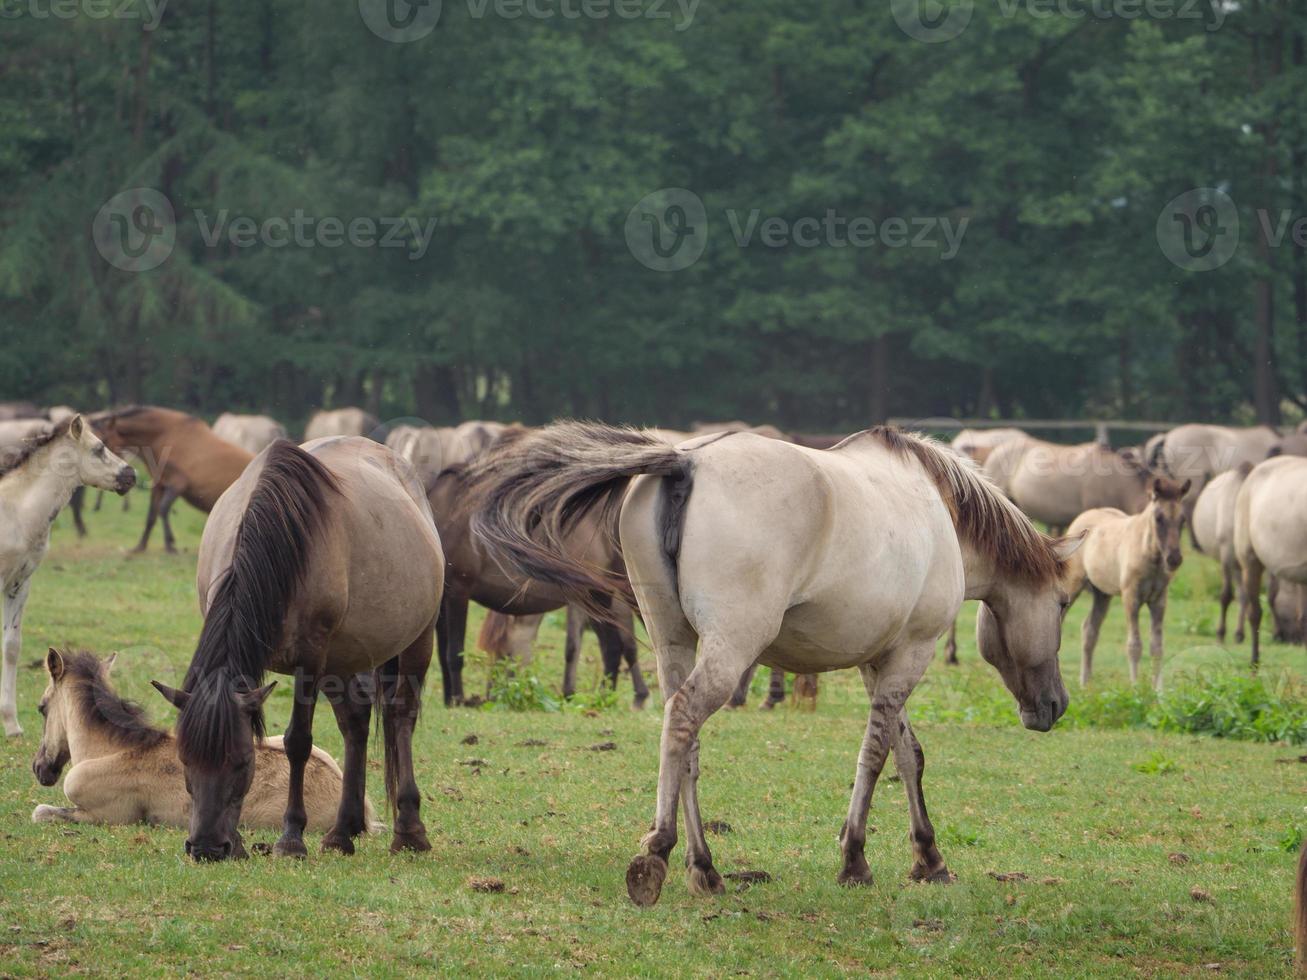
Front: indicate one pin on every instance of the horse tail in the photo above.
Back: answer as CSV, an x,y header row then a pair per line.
x,y
494,635
285,512
1300,915
1155,461
535,488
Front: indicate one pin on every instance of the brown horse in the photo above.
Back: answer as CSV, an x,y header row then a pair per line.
x,y
472,576
183,456
321,562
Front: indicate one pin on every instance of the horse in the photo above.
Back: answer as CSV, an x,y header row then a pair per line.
x,y
19,410
979,443
1270,531
1294,444
253,433
1135,557
432,449
125,770
344,422
35,484
1055,484
1212,527
757,550
1199,452
1288,602
473,576
298,575
184,458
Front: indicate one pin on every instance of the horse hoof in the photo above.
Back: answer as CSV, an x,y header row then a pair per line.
x,y
290,848
14,730
1238,637
639,702
937,876
706,881
855,876
413,841
339,843
644,879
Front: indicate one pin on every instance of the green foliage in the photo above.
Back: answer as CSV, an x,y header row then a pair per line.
x,y
1157,764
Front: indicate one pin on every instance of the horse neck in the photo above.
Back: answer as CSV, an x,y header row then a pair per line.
x,y
37,491
85,741
1143,525
983,580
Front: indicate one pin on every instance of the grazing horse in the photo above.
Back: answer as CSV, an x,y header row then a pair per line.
x,y
1288,602
1135,557
35,484
755,550
344,422
253,433
473,576
125,770
1270,531
184,458
1055,484
1213,532
321,562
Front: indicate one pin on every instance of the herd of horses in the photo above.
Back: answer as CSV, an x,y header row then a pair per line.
x,y
346,562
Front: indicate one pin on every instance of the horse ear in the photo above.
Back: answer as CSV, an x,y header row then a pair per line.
x,y
1152,488
76,427
110,660
1184,489
253,700
178,699
54,663
1064,548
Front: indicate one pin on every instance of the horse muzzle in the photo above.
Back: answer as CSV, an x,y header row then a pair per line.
x,y
45,773
207,851
125,480
1043,715
1173,560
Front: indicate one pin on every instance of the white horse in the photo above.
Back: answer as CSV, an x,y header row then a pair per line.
x,y
34,486
759,551
253,433
1270,531
1213,531
343,422
977,444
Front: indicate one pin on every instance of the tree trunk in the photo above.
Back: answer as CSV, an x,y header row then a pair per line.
x,y
435,394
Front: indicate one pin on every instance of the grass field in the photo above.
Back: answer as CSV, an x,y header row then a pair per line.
x,y
1124,851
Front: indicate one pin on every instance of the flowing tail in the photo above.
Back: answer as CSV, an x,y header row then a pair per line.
x,y
535,488
1300,916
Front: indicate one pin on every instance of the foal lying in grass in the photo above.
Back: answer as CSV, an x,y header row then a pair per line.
x,y
1133,557
125,770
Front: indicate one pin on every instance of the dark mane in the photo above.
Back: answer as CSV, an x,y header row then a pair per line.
x,y
29,446
101,707
984,518
285,513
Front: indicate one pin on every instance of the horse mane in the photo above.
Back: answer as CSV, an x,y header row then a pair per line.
x,y
983,516
29,446
113,414
285,513
103,709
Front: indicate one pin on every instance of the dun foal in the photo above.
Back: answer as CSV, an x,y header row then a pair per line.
x,y
1133,557
125,770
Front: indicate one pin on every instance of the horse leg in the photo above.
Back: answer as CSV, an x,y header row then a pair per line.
x,y
888,688
1272,597
1089,634
1156,616
1241,597
775,689
951,644
165,508
610,652
353,708
400,705
910,762
1134,645
15,599
451,630
576,620
156,494
299,745
631,654
1252,590
1227,596
99,501
75,504
740,697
